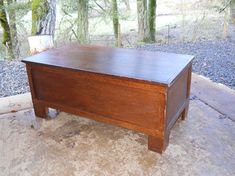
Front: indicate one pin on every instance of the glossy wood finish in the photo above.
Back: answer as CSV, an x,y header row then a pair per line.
x,y
158,67
139,90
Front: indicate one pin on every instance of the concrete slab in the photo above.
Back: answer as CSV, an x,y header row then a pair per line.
x,y
15,103
218,96
203,144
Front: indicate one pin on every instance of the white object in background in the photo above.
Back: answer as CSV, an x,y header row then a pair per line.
x,y
39,43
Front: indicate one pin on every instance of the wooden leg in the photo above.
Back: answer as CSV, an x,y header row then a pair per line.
x,y
185,112
40,110
158,144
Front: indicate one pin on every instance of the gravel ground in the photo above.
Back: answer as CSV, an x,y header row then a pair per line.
x,y
214,59
13,78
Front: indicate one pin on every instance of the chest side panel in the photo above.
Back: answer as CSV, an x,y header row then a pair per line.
x,y
177,97
140,104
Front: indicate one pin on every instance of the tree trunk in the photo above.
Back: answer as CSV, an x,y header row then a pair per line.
x,y
13,29
152,20
232,11
83,21
43,17
6,31
142,19
50,20
115,20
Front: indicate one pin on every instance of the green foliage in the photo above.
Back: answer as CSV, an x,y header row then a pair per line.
x,y
39,10
69,6
21,8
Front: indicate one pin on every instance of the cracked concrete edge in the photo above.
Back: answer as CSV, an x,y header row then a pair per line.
x,y
15,103
216,95
197,77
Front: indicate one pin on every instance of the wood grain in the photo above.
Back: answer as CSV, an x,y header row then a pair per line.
x,y
138,90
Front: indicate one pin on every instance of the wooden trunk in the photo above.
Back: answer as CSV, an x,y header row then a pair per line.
x,y
115,86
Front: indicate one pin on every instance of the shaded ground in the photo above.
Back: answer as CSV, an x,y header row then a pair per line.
x,y
202,145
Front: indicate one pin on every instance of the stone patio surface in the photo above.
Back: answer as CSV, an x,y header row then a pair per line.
x,y
203,144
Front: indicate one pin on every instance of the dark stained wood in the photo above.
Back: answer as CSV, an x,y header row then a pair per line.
x,y
176,96
149,66
185,111
158,143
113,98
40,109
138,90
